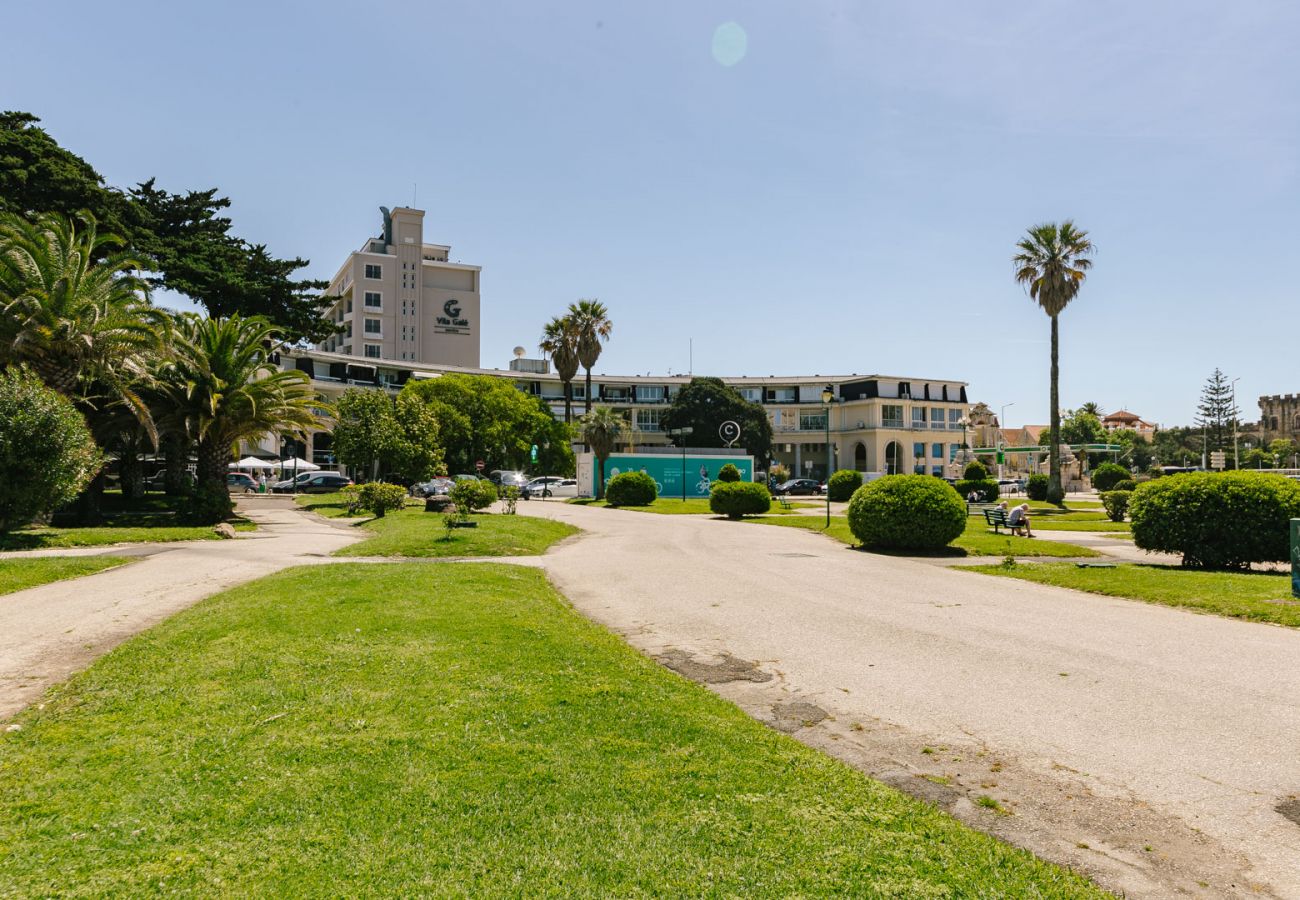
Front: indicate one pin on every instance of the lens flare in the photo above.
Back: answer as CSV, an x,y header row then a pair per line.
x,y
729,44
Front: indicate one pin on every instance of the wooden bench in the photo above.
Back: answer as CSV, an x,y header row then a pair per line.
x,y
998,518
784,501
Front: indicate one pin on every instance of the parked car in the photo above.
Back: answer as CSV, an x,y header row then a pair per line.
x,y
239,483
434,487
504,478
550,486
313,483
798,487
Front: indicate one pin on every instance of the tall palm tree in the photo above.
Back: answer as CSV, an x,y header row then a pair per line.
x,y
1052,263
1091,408
222,384
85,327
602,429
560,340
591,319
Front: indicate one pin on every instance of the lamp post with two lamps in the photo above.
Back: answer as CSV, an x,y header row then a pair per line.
x,y
828,397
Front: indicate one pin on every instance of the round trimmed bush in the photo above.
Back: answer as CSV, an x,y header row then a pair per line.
x,y
1126,484
379,497
47,454
739,498
985,490
1216,521
1108,474
1116,503
1036,486
975,471
729,473
473,495
842,484
631,489
907,512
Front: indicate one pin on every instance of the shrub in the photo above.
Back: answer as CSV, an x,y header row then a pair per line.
x,y
729,473
975,471
1036,486
1124,484
1116,503
739,498
842,484
1216,521
1107,474
985,490
907,512
379,497
47,454
631,489
206,504
779,473
471,496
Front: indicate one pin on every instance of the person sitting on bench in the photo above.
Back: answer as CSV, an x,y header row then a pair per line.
x,y
1018,520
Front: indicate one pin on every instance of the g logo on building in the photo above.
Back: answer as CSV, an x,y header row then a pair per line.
x,y
451,308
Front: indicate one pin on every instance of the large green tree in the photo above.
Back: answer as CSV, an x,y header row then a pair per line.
x,y
1052,263
706,403
1217,413
376,433
185,240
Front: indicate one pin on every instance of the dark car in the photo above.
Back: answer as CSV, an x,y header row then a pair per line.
x,y
239,483
797,487
434,487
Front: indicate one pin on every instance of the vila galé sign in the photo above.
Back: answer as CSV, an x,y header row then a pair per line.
x,y
451,321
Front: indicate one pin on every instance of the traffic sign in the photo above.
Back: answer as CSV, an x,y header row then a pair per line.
x,y
533,453
1218,460
480,465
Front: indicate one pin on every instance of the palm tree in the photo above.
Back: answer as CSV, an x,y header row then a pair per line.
x,y
1052,264
560,340
602,429
222,384
591,319
85,327
1093,409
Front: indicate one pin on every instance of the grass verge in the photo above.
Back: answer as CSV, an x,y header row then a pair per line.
x,y
452,731
20,574
1255,596
414,532
101,535
668,506
977,540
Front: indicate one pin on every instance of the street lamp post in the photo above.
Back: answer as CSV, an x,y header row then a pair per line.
x,y
682,433
828,397
1001,419
1236,458
965,447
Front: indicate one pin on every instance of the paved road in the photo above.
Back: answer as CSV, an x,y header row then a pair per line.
x,y
49,632
1155,749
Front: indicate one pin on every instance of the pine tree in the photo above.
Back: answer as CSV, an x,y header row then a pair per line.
x,y
1217,413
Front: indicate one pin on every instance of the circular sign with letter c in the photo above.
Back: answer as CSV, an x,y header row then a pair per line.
x,y
729,431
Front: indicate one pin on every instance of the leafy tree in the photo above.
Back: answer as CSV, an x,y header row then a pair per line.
x,y
222,383
46,451
602,429
1177,446
1217,413
590,319
365,429
1052,263
555,448
184,238
706,403
487,418
560,339
1137,452
1283,450
417,455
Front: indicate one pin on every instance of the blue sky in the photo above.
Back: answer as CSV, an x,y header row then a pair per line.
x,y
843,197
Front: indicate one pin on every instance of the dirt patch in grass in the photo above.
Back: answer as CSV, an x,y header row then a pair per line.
x,y
795,714
727,668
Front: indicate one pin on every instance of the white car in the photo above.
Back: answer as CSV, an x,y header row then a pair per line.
x,y
550,486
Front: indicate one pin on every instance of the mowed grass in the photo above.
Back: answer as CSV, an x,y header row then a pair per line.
x,y
1255,596
414,532
977,540
101,535
20,574
418,730
692,506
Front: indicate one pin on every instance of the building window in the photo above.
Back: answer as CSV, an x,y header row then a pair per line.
x,y
649,393
372,351
374,299
891,416
374,326
936,470
954,419
936,451
373,270
936,417
349,304
647,419
753,395
905,390
918,416
579,391
812,420
782,395
918,450
608,392
348,332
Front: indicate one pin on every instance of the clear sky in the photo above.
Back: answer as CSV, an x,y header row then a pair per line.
x,y
812,187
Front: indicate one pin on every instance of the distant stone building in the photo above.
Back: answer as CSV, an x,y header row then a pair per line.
x,y
1123,420
1279,417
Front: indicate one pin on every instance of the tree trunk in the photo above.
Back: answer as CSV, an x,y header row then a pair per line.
x,y
1055,492
212,463
568,401
89,504
589,389
600,485
131,471
176,452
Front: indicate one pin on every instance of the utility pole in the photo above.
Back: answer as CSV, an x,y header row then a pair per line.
x,y
1236,459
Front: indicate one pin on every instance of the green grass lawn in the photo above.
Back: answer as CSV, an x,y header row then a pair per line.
x,y
98,535
670,506
444,731
330,505
1257,596
978,539
414,532
19,574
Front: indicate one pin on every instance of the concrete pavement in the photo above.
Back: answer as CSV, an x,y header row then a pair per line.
x,y
1155,749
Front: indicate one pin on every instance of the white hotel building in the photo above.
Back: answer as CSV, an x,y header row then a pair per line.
x,y
409,313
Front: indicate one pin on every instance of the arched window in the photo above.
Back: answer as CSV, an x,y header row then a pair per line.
x,y
860,457
893,458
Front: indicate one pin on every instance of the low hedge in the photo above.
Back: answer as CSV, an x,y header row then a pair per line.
x,y
907,512
1036,486
975,471
1216,521
631,489
984,490
842,484
1105,476
1116,503
379,497
734,499
729,472
1126,484
471,496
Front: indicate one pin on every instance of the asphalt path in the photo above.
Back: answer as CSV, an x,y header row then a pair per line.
x,y
1155,749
